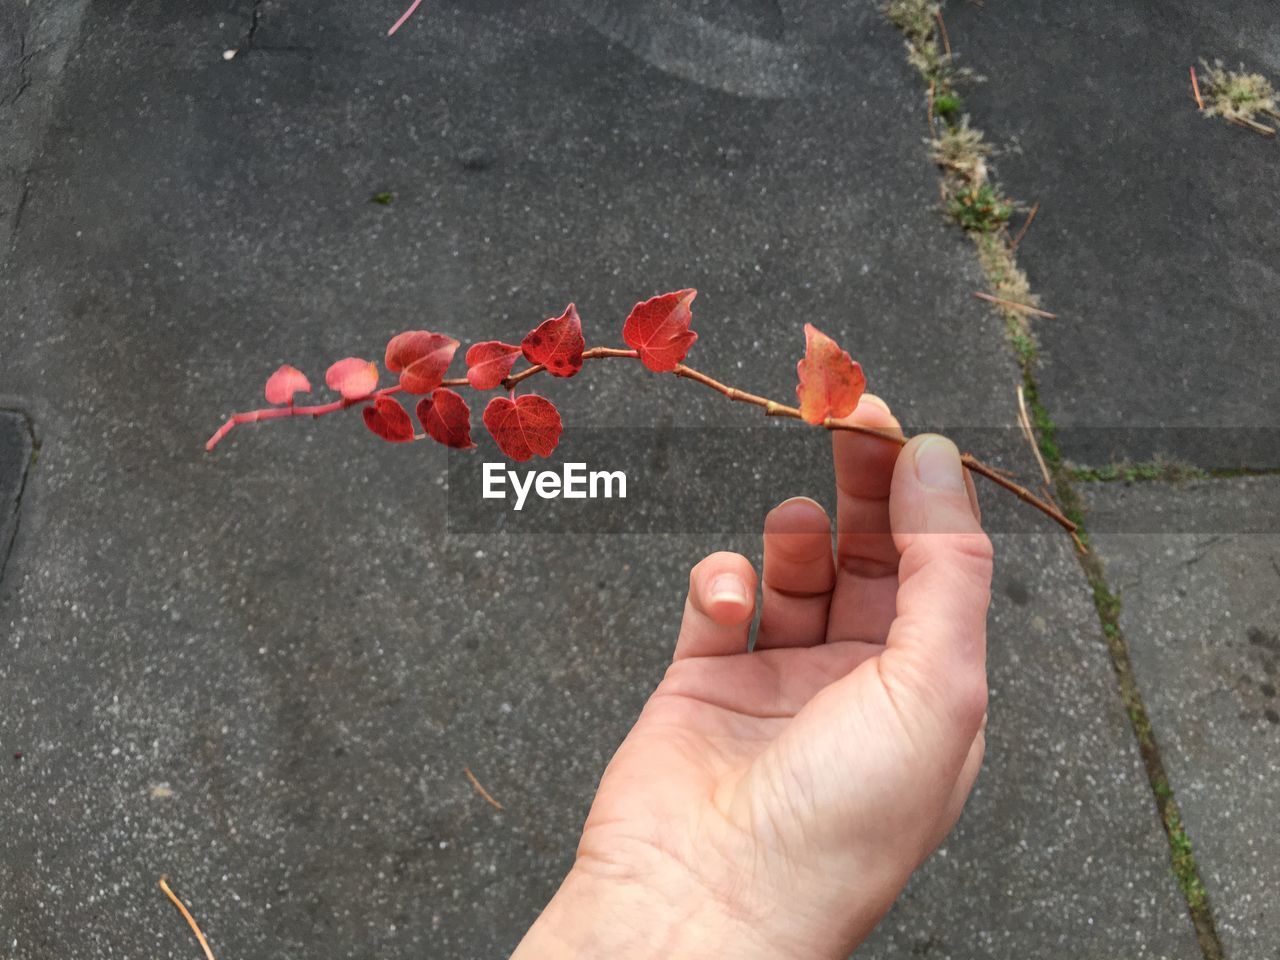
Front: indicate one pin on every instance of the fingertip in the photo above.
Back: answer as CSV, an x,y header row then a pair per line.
x,y
799,515
871,398
724,587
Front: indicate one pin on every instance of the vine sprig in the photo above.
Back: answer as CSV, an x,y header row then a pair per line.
x,y
658,334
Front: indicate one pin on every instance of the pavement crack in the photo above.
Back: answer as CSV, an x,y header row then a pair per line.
x,y
1205,548
6,548
983,210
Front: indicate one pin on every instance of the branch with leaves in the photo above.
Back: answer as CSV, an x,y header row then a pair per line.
x,y
658,334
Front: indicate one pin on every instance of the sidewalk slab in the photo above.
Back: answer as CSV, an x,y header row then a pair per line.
x,y
1201,614
1155,242
263,672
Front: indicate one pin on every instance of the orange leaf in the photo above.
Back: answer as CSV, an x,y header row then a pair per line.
x,y
830,382
488,363
658,329
284,383
353,378
421,358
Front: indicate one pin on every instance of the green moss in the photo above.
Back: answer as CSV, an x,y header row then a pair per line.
x,y
947,104
1159,469
384,198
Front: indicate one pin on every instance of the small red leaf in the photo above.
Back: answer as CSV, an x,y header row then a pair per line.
x,y
557,344
421,358
658,329
284,383
523,427
353,378
389,420
830,382
488,363
447,418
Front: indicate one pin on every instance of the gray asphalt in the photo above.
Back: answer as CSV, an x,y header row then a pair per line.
x,y
1155,242
263,671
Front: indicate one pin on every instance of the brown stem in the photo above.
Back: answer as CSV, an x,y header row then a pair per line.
x,y
186,915
771,409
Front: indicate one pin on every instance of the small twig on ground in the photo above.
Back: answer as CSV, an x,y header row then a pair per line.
x,y
186,915
942,28
403,17
1025,422
1014,305
1195,89
1013,244
481,790
932,88
1253,125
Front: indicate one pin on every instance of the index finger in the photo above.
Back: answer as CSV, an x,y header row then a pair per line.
x,y
863,602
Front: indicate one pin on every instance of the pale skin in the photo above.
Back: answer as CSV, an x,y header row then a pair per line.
x,y
773,803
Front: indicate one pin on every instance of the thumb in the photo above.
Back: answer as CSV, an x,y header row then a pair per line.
x,y
935,656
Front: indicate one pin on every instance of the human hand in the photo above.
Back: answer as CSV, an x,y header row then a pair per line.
x,y
774,803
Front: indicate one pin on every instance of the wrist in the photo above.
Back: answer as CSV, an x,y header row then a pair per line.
x,y
596,916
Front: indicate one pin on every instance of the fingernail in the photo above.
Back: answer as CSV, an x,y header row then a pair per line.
x,y
938,464
808,500
872,398
728,588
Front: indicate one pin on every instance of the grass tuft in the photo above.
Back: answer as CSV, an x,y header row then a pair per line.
x,y
981,208
1236,95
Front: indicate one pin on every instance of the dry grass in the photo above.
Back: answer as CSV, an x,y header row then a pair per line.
x,y
1237,95
962,151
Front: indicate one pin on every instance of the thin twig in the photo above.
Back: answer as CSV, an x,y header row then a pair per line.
x,y
403,17
1195,88
929,120
771,408
946,41
1025,422
1013,245
1015,305
481,790
1253,125
186,915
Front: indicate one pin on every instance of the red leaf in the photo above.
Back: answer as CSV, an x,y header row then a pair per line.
x,y
447,418
488,363
557,344
658,329
830,382
421,358
523,427
389,420
353,378
284,383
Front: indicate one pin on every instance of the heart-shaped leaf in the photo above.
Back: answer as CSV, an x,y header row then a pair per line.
x,y
284,383
353,378
831,383
421,358
557,344
389,420
523,427
488,363
658,329
446,418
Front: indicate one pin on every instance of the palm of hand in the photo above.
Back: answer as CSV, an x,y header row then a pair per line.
x,y
813,765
